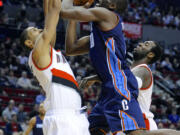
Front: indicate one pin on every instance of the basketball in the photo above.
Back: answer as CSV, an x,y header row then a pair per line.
x,y
82,2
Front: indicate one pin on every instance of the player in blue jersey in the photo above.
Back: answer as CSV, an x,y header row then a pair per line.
x,y
36,122
117,106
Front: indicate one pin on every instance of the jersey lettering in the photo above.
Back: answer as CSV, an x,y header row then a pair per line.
x,y
125,105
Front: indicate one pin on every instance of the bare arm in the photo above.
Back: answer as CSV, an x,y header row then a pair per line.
x,y
106,19
41,50
46,9
74,46
144,75
30,126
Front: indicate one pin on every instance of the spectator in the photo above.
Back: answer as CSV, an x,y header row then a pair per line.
x,y
21,115
13,127
9,110
24,82
1,132
174,118
177,21
41,97
160,125
12,79
167,64
34,112
23,59
3,79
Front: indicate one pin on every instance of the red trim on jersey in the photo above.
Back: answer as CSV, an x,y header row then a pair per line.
x,y
58,50
65,75
151,78
44,67
146,122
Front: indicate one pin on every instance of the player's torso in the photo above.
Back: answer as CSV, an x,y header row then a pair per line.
x,y
107,53
37,130
145,94
58,81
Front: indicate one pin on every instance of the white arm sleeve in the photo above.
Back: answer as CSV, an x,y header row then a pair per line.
x,y
139,81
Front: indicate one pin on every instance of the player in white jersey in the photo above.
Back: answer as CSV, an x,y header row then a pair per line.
x,y
144,54
145,95
63,103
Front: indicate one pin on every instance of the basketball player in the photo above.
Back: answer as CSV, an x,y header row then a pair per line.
x,y
36,122
117,107
63,102
144,54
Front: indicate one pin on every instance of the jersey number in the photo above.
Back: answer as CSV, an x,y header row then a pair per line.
x,y
125,105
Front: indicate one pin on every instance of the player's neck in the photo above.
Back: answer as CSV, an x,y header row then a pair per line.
x,y
41,116
138,62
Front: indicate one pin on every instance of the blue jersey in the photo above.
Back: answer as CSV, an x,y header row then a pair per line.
x,y
108,56
37,130
117,107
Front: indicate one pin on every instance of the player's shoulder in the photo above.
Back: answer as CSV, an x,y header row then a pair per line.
x,y
145,68
32,120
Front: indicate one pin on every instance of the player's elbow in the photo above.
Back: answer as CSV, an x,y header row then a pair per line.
x,y
69,52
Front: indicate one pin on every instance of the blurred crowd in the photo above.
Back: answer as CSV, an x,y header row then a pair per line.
x,y
148,12
139,11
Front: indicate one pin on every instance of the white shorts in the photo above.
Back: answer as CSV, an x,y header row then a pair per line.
x,y
65,123
150,124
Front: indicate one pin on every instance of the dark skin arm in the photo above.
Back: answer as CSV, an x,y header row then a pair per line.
x,y
105,18
74,46
144,75
31,125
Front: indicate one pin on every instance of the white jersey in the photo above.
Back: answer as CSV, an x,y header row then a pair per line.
x,y
145,94
59,83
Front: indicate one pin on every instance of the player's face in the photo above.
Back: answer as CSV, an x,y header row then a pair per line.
x,y
143,49
41,109
146,46
32,33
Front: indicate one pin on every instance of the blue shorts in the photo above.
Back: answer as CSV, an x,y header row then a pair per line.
x,y
120,115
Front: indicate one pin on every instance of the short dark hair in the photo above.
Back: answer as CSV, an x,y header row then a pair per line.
x,y
121,5
157,50
23,38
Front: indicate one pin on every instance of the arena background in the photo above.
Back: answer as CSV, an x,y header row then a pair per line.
x,y
157,20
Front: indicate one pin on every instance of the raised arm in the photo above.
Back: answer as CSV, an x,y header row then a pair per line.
x,y
97,14
41,51
72,45
46,4
30,126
